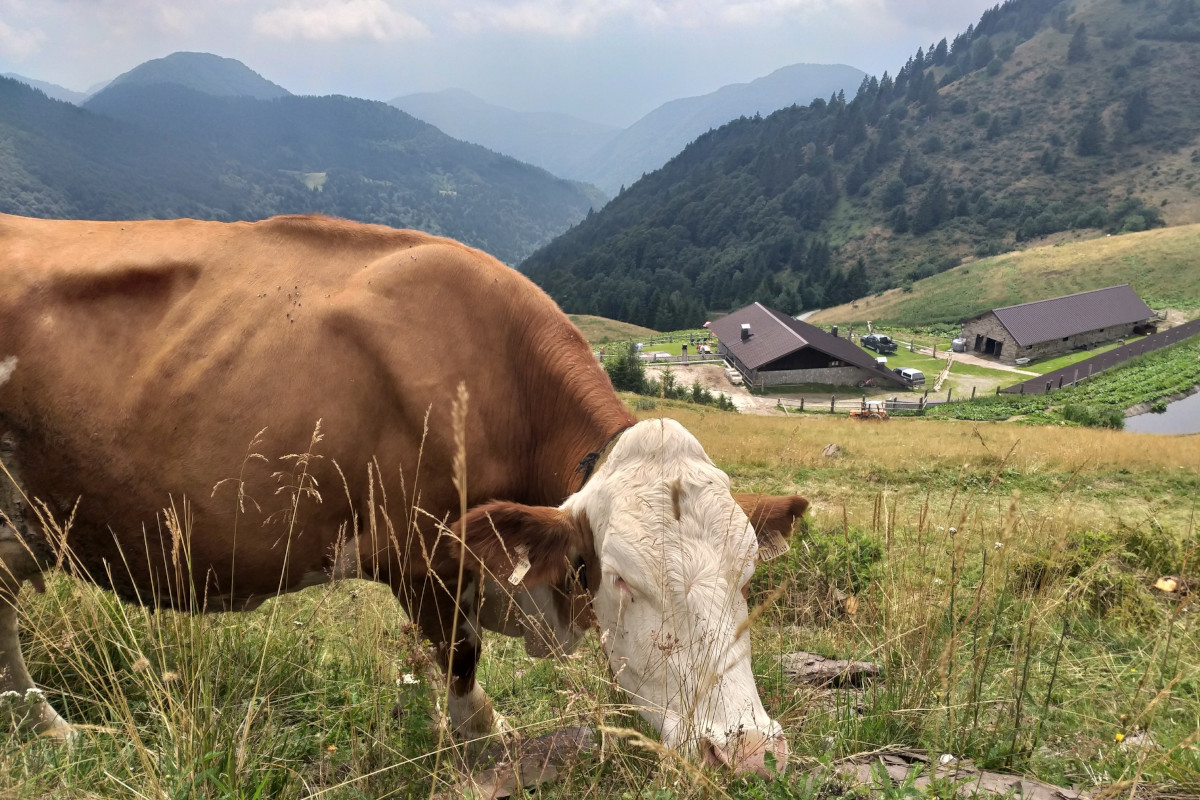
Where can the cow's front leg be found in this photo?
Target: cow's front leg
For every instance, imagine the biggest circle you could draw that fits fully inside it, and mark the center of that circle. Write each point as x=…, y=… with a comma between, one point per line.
x=22, y=705
x=433, y=608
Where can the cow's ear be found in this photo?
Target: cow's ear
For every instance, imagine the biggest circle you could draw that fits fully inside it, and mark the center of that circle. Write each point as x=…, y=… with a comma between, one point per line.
x=773, y=519
x=520, y=545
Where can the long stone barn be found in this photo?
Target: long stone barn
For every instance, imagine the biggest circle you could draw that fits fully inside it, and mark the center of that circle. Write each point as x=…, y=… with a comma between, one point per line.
x=1048, y=328
x=771, y=348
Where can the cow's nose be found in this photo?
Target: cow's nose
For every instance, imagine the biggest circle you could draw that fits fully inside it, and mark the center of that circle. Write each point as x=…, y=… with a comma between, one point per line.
x=746, y=754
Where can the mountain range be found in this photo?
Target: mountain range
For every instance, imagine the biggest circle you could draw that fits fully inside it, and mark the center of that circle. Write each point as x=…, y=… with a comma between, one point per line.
x=201, y=136
x=611, y=157
x=1047, y=120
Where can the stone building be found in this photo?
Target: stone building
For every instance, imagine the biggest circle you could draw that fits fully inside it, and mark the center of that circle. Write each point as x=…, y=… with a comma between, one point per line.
x=771, y=348
x=1048, y=328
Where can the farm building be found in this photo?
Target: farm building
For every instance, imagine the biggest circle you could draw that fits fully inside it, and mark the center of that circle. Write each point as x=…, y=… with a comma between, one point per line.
x=1048, y=328
x=770, y=348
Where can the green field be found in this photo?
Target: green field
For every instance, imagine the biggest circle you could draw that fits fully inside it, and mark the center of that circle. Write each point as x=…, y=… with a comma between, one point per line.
x=1161, y=265
x=1003, y=577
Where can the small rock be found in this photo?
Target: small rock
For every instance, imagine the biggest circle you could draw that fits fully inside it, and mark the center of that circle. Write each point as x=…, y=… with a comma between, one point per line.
x=831, y=451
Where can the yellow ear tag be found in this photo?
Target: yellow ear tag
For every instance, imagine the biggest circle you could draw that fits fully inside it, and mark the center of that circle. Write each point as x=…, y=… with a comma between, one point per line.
x=522, y=566
x=772, y=545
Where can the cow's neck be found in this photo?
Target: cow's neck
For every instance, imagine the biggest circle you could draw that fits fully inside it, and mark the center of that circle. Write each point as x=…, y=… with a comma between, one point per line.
x=575, y=412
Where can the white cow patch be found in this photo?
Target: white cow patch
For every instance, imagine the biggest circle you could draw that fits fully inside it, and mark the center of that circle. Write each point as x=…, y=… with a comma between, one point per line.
x=7, y=367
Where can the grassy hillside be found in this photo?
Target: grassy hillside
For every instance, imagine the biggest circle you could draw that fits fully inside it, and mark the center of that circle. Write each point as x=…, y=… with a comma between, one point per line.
x=1005, y=582
x=1163, y=266
x=599, y=330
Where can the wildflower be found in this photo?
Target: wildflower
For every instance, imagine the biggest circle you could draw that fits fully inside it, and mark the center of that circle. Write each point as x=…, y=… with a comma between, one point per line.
x=409, y=679
x=331, y=748
x=998, y=545
x=141, y=664
x=953, y=530
x=937, y=581
x=1119, y=737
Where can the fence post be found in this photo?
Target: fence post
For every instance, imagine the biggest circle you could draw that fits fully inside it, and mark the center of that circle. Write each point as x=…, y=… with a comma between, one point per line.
x=973, y=388
x=1075, y=380
x=948, y=393
x=1048, y=385
x=832, y=400
x=910, y=345
x=997, y=391
x=802, y=404
x=1022, y=388
x=1060, y=379
x=925, y=398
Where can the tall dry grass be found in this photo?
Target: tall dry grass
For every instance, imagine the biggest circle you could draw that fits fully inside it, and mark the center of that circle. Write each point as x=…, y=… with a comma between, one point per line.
x=1001, y=575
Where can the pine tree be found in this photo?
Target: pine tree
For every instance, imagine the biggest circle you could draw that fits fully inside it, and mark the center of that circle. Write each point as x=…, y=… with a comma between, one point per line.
x=1091, y=137
x=1137, y=108
x=1078, y=49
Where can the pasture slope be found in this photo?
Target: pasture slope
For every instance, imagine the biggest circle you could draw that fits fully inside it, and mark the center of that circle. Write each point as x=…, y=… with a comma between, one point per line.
x=1160, y=265
x=1002, y=575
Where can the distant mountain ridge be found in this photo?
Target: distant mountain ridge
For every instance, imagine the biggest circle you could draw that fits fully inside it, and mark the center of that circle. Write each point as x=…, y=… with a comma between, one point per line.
x=610, y=157
x=202, y=72
x=51, y=90
x=651, y=141
x=152, y=145
x=548, y=140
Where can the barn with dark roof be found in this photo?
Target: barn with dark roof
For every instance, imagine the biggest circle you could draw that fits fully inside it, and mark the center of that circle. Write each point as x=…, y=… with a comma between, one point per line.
x=771, y=348
x=1048, y=328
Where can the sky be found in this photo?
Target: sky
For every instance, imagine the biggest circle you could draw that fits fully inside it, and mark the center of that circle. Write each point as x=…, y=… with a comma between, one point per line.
x=608, y=61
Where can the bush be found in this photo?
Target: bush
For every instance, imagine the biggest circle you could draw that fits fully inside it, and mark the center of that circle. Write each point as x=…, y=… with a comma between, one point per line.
x=1094, y=416
x=626, y=370
x=848, y=560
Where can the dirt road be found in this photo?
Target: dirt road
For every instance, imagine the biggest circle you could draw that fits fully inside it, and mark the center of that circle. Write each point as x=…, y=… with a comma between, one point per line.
x=712, y=377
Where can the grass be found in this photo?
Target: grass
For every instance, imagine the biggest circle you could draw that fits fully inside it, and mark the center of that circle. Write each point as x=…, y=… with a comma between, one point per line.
x=1067, y=359
x=1158, y=264
x=601, y=330
x=1002, y=576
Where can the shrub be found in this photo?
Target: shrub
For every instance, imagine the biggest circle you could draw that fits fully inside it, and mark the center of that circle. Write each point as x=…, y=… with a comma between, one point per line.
x=1094, y=416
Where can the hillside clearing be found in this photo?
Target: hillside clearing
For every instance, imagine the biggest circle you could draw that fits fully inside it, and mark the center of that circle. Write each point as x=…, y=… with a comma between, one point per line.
x=1160, y=265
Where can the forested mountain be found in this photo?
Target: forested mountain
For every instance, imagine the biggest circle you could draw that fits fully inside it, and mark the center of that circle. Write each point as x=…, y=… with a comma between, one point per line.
x=1045, y=117
x=610, y=157
x=163, y=150
x=651, y=141
x=201, y=72
x=51, y=90
x=554, y=142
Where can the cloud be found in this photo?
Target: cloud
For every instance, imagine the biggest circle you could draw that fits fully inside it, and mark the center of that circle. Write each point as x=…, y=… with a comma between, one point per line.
x=19, y=44
x=339, y=20
x=576, y=18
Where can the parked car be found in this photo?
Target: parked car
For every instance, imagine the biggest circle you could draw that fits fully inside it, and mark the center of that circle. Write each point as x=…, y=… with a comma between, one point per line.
x=878, y=342
x=909, y=374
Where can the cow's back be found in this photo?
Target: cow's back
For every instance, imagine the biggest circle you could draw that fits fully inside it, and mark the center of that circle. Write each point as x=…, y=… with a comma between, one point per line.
x=188, y=363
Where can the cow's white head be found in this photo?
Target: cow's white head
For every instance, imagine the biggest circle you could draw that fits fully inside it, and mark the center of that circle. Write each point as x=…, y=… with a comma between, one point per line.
x=667, y=553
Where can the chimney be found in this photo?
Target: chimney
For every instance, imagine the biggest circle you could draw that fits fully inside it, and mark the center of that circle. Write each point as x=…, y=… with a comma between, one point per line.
x=745, y=330
x=833, y=330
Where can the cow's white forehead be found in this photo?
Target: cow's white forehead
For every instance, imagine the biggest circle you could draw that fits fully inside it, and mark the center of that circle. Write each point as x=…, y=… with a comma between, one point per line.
x=656, y=469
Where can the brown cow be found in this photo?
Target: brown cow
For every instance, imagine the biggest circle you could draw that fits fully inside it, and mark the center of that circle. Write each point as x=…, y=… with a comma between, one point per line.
x=142, y=363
